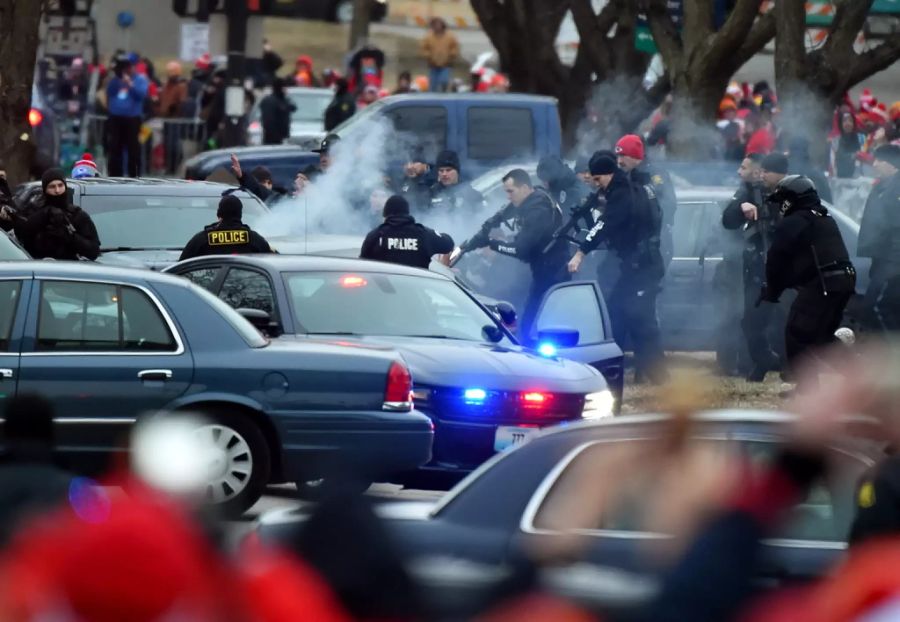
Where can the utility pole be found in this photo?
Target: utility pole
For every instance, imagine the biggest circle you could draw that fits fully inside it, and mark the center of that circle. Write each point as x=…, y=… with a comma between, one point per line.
x=359, y=27
x=237, y=14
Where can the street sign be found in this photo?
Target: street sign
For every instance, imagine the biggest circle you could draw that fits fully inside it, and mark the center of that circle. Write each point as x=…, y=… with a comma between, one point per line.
x=194, y=40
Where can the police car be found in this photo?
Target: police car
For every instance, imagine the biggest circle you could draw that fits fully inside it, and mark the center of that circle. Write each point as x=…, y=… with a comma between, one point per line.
x=483, y=391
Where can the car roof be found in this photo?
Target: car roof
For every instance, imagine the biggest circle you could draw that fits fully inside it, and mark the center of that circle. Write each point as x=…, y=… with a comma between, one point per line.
x=148, y=186
x=85, y=270
x=317, y=263
x=477, y=98
x=305, y=90
x=243, y=153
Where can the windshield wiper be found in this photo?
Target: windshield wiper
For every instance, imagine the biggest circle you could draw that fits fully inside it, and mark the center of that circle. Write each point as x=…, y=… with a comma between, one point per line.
x=335, y=332
x=437, y=337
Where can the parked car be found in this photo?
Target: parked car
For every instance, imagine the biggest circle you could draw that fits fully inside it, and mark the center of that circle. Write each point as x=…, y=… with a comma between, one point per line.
x=11, y=250
x=503, y=510
x=329, y=10
x=145, y=222
x=485, y=130
x=481, y=389
x=284, y=162
x=307, y=121
x=696, y=290
x=109, y=345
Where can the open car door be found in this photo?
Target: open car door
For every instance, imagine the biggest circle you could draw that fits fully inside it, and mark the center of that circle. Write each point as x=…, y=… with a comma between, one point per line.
x=579, y=306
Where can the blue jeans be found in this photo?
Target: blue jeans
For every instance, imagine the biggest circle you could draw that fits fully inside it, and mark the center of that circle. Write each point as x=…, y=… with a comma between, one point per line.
x=439, y=79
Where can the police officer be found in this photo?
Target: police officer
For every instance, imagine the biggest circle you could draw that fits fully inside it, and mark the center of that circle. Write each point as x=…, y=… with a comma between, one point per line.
x=400, y=239
x=562, y=183
x=808, y=254
x=879, y=238
x=630, y=153
x=630, y=227
x=449, y=194
x=877, y=503
x=749, y=212
x=537, y=218
x=418, y=177
x=228, y=236
x=325, y=153
x=50, y=227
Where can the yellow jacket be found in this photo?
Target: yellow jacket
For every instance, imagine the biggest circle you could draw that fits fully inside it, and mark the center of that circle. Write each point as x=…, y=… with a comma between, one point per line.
x=440, y=51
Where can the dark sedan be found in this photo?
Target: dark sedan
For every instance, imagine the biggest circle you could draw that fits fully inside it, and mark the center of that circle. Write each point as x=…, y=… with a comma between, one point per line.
x=483, y=391
x=145, y=222
x=329, y=10
x=283, y=161
x=108, y=345
x=509, y=503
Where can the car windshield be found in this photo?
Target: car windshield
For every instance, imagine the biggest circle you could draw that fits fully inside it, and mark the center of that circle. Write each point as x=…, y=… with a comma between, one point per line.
x=366, y=303
x=9, y=251
x=156, y=222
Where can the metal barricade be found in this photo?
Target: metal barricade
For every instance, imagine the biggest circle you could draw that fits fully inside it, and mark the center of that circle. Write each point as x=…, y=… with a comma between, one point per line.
x=166, y=143
x=850, y=195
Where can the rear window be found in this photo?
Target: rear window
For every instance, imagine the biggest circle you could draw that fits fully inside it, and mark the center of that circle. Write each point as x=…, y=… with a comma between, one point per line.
x=423, y=126
x=500, y=133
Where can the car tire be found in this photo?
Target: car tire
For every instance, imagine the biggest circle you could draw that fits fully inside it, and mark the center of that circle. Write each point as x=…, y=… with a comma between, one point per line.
x=238, y=482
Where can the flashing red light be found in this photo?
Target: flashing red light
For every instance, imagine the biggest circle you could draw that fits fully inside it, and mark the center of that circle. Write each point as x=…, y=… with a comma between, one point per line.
x=398, y=393
x=353, y=281
x=35, y=117
x=535, y=399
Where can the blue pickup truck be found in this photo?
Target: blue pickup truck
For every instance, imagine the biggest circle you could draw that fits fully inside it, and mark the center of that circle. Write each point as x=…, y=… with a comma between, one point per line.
x=486, y=130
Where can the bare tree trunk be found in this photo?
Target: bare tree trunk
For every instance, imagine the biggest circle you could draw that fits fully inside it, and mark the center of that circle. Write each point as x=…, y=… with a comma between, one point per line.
x=359, y=27
x=19, y=38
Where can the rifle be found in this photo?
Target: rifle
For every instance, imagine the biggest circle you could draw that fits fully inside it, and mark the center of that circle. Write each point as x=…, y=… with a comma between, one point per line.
x=581, y=212
x=480, y=239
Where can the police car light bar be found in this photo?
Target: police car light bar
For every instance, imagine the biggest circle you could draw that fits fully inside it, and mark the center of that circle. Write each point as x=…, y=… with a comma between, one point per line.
x=475, y=396
x=353, y=281
x=547, y=349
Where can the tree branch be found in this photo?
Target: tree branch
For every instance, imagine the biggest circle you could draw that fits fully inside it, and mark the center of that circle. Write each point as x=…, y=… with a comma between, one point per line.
x=871, y=62
x=734, y=32
x=849, y=19
x=665, y=35
x=592, y=29
x=762, y=32
x=697, y=27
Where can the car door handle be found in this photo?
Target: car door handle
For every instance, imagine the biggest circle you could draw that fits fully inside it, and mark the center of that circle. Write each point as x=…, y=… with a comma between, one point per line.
x=6, y=373
x=155, y=374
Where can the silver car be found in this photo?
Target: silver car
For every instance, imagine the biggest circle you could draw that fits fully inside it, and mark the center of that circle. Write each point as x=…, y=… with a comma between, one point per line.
x=307, y=122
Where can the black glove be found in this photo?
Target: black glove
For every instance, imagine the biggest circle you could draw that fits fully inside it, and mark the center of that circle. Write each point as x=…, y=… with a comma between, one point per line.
x=479, y=240
x=765, y=295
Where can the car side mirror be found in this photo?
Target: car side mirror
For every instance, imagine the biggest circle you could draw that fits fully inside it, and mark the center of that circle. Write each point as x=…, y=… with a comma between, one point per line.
x=493, y=333
x=559, y=337
x=262, y=321
x=507, y=313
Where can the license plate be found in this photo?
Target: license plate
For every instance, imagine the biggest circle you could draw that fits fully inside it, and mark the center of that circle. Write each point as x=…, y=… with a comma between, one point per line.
x=508, y=436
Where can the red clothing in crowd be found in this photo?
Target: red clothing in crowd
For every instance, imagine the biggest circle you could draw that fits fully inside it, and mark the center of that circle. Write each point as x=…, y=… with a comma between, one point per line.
x=762, y=141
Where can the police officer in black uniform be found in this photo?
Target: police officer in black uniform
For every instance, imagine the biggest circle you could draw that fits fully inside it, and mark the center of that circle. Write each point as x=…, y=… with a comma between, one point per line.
x=879, y=238
x=537, y=218
x=449, y=195
x=630, y=227
x=749, y=212
x=877, y=503
x=562, y=183
x=400, y=239
x=228, y=236
x=808, y=254
x=631, y=159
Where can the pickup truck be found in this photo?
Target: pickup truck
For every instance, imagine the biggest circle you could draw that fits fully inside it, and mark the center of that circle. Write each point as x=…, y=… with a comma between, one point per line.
x=485, y=130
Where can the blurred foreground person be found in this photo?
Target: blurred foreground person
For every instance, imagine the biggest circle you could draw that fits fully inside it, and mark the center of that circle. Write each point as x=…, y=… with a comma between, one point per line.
x=51, y=227
x=402, y=240
x=30, y=481
x=629, y=227
x=879, y=238
x=228, y=236
x=537, y=220
x=808, y=254
x=749, y=212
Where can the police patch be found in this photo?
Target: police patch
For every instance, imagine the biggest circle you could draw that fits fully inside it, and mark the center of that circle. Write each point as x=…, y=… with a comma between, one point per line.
x=866, y=496
x=657, y=180
x=225, y=238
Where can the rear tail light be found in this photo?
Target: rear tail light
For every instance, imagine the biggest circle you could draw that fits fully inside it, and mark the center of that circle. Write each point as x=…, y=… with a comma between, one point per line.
x=398, y=394
x=35, y=117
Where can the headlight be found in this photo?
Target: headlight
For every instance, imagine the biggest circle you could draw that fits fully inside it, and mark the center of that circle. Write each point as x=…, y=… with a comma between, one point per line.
x=598, y=405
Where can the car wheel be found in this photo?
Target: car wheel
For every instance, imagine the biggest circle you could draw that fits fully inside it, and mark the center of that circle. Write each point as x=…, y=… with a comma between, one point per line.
x=316, y=490
x=342, y=11
x=238, y=474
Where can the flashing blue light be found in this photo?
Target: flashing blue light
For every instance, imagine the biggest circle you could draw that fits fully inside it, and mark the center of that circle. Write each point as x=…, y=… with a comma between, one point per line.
x=475, y=396
x=547, y=349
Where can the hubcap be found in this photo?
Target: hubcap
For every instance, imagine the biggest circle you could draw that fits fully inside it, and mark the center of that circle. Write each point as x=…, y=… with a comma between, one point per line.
x=229, y=462
x=345, y=11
